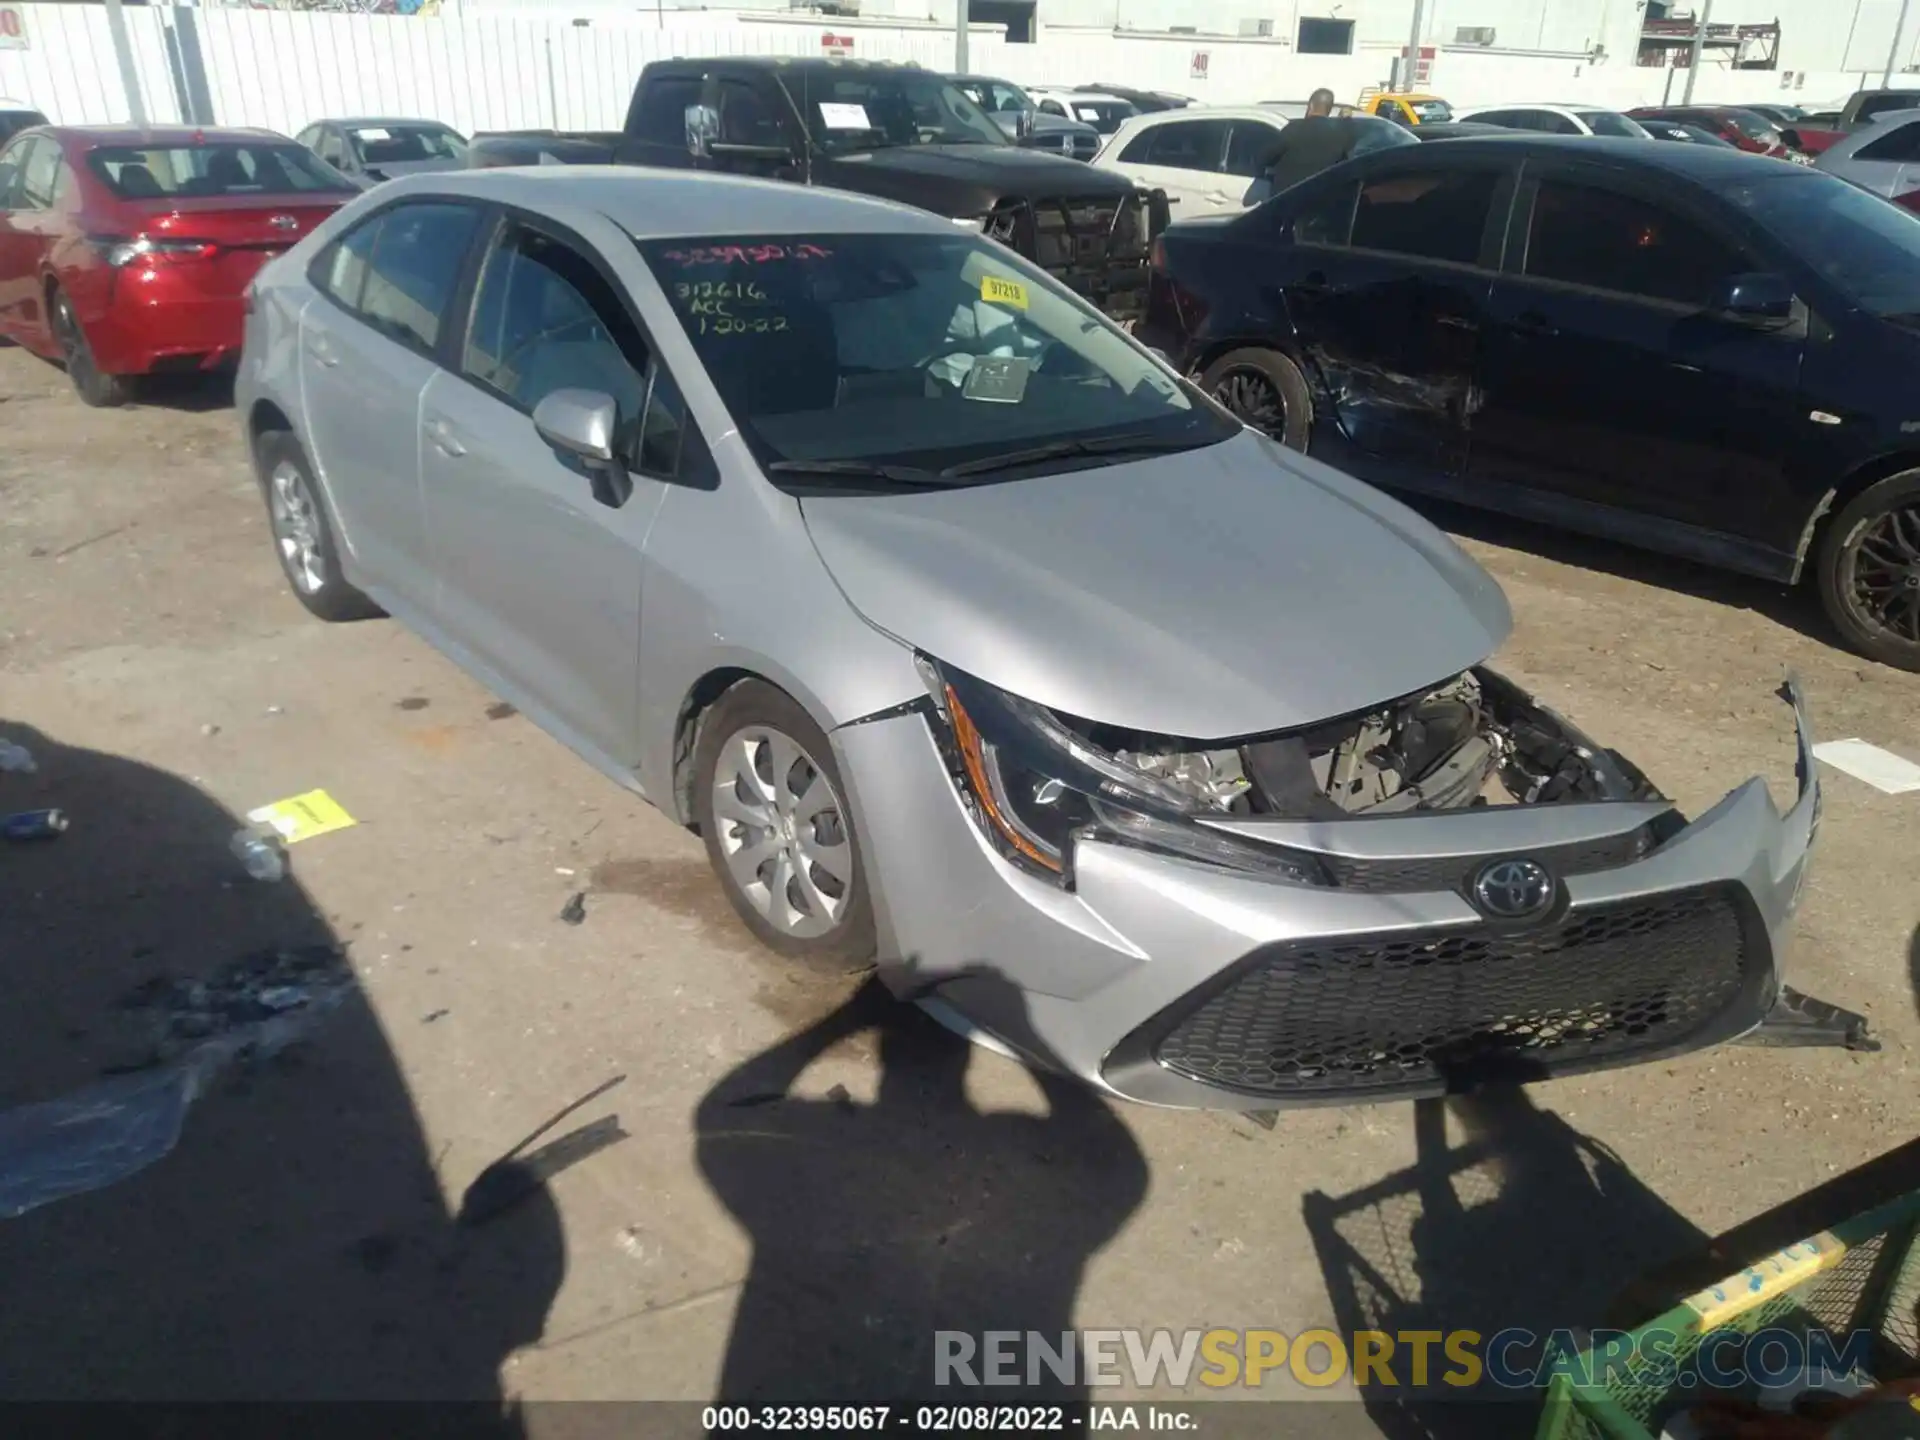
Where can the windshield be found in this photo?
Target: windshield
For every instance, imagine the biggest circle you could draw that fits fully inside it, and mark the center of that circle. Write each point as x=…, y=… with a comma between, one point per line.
x=922, y=351
x=877, y=109
x=397, y=144
x=1431, y=112
x=187, y=171
x=1605, y=122
x=1865, y=247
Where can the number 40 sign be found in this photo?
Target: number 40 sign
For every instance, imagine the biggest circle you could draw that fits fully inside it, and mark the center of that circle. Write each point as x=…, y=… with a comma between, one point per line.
x=13, y=28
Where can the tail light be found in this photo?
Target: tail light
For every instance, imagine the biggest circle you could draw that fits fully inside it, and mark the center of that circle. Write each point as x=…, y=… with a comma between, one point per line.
x=120, y=251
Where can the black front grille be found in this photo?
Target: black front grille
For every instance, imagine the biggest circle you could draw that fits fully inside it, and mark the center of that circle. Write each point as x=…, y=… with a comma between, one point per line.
x=1455, y=872
x=1455, y=1006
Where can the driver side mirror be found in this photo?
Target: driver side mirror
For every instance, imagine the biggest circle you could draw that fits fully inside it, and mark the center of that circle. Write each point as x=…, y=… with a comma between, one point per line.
x=1762, y=301
x=1023, y=123
x=703, y=128
x=581, y=425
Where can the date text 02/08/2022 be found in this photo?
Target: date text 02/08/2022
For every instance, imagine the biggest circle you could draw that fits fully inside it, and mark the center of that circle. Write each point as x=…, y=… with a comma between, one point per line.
x=942, y=1419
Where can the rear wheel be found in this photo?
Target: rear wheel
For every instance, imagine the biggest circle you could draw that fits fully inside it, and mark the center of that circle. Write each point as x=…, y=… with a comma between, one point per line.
x=772, y=810
x=302, y=538
x=1869, y=571
x=95, y=388
x=1263, y=389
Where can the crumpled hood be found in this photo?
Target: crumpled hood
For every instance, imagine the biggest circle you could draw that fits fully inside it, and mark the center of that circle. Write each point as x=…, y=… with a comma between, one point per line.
x=1215, y=594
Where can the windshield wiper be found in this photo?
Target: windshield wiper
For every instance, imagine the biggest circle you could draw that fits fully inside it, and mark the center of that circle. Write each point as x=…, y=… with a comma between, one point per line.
x=1068, y=449
x=861, y=470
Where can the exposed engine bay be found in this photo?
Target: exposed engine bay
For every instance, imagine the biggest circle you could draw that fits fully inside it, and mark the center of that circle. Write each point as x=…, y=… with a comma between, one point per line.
x=1476, y=740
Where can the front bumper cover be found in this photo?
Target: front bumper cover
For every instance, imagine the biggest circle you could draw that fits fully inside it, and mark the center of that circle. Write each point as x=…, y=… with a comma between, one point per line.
x=1094, y=980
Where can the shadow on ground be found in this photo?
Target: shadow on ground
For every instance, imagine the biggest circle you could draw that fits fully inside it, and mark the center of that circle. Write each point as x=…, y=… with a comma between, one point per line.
x=876, y=1225
x=295, y=1243
x=1794, y=608
x=1518, y=1221
x=192, y=391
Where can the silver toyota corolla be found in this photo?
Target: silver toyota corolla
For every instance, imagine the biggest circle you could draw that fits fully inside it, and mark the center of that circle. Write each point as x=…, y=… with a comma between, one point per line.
x=972, y=639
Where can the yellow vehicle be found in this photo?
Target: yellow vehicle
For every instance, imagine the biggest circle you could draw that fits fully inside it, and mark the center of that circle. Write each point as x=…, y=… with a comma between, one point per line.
x=1405, y=108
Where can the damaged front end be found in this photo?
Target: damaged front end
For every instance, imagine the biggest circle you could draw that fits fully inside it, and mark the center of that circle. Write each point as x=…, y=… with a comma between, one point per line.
x=1459, y=887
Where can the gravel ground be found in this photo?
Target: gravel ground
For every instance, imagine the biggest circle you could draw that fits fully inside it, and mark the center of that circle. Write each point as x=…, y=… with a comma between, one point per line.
x=305, y=1237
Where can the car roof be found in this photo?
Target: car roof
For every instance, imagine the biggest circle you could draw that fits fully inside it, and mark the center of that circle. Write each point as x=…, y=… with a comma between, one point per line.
x=1149, y=119
x=159, y=135
x=786, y=62
x=1712, y=166
x=1059, y=93
x=671, y=204
x=374, y=122
x=1555, y=105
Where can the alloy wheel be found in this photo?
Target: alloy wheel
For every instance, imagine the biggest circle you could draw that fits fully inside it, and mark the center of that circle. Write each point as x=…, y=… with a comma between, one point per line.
x=296, y=527
x=1886, y=572
x=1254, y=399
x=782, y=832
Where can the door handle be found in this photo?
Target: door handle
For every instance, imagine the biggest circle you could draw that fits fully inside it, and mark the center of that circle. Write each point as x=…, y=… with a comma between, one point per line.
x=318, y=347
x=444, y=440
x=1534, y=324
x=1457, y=322
x=1314, y=282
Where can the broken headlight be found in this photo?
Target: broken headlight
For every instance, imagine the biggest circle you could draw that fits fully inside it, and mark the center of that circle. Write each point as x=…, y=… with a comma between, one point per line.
x=1034, y=784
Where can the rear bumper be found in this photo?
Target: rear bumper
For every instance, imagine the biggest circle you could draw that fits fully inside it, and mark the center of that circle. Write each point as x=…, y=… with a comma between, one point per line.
x=145, y=321
x=1174, y=983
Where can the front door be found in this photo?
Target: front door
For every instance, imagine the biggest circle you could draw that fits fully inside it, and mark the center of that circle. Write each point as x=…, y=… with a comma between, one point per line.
x=539, y=560
x=1390, y=319
x=1606, y=379
x=30, y=180
x=366, y=352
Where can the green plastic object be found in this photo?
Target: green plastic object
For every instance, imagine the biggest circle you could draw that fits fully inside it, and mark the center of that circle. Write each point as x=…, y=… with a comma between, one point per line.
x=1861, y=1277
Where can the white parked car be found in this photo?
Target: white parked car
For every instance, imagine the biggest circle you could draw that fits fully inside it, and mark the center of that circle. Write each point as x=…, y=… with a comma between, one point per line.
x=1883, y=157
x=1559, y=120
x=1106, y=113
x=1202, y=158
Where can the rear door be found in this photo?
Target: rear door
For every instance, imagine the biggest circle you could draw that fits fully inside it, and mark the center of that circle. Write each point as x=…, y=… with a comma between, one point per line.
x=1607, y=381
x=1392, y=274
x=539, y=560
x=657, y=120
x=1187, y=159
x=1250, y=143
x=368, y=349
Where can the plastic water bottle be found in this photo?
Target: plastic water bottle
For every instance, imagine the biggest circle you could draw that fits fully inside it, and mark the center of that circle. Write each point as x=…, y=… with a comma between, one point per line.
x=16, y=759
x=261, y=851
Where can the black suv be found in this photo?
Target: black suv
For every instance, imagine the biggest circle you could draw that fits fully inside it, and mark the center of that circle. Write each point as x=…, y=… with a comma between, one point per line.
x=892, y=131
x=1679, y=346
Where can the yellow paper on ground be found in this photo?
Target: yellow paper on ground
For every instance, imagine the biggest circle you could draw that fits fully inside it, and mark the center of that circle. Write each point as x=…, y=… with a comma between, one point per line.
x=303, y=816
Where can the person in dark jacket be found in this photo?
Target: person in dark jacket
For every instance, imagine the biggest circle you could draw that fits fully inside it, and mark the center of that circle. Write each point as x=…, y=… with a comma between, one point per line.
x=1319, y=142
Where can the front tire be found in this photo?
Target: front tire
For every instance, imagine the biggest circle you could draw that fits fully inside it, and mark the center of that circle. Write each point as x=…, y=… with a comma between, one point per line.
x=1869, y=571
x=772, y=809
x=95, y=388
x=302, y=538
x=1264, y=389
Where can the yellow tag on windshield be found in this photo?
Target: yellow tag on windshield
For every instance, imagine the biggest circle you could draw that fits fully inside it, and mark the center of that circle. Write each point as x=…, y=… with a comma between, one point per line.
x=996, y=291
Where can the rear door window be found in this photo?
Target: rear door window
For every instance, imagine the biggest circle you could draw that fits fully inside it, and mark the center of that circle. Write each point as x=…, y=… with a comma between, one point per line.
x=1585, y=235
x=1427, y=213
x=398, y=271
x=662, y=115
x=41, y=176
x=1188, y=145
x=1900, y=143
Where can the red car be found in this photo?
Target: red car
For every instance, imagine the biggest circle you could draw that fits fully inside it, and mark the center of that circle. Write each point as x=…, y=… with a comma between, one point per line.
x=126, y=251
x=1744, y=129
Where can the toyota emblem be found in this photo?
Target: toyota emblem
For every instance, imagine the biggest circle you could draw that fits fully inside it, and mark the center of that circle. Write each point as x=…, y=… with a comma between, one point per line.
x=284, y=222
x=1513, y=889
